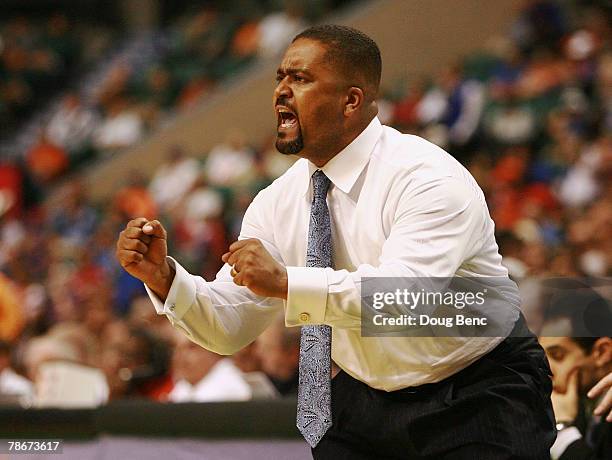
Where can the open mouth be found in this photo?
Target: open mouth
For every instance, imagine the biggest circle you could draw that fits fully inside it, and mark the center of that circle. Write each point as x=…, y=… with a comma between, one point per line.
x=286, y=118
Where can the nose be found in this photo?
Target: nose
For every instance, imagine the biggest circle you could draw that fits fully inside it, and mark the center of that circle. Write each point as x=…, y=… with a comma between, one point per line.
x=282, y=89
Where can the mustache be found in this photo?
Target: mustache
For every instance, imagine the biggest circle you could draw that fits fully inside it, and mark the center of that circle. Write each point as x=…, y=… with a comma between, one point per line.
x=283, y=101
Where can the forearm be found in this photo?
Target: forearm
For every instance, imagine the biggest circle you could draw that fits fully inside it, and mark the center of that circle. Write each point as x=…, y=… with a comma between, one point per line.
x=219, y=315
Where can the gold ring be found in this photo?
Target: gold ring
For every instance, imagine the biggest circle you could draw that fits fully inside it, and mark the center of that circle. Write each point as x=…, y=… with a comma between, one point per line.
x=233, y=272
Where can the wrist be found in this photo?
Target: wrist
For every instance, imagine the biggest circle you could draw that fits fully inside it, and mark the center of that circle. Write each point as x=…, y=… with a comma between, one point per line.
x=162, y=281
x=284, y=284
x=562, y=425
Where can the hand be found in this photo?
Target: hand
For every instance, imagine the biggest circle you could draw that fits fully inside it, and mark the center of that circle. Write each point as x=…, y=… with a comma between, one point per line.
x=142, y=250
x=565, y=404
x=256, y=269
x=606, y=402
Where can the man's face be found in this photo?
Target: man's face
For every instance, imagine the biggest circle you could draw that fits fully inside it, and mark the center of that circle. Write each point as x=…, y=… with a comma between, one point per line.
x=276, y=361
x=190, y=361
x=565, y=355
x=308, y=100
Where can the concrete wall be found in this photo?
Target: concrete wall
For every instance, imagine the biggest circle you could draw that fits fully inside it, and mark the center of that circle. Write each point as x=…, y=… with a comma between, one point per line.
x=415, y=37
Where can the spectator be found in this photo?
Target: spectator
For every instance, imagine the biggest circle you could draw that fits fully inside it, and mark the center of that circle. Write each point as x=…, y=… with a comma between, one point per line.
x=202, y=376
x=173, y=179
x=121, y=127
x=277, y=29
x=11, y=383
x=10, y=309
x=579, y=355
x=72, y=125
x=279, y=351
x=46, y=161
x=135, y=362
x=229, y=163
x=135, y=200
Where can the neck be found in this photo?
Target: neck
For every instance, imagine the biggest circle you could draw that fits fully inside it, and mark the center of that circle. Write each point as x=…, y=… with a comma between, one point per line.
x=321, y=160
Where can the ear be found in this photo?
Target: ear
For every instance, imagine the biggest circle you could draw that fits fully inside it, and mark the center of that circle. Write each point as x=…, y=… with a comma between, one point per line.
x=602, y=351
x=354, y=100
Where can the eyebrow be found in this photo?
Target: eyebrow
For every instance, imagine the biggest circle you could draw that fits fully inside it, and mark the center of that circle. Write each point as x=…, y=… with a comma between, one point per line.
x=552, y=348
x=293, y=70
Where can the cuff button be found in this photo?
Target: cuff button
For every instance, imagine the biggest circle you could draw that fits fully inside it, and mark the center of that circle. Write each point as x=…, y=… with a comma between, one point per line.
x=304, y=317
x=172, y=307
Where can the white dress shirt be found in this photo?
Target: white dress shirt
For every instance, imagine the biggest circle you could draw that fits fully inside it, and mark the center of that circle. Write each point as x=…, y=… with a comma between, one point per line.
x=224, y=382
x=400, y=207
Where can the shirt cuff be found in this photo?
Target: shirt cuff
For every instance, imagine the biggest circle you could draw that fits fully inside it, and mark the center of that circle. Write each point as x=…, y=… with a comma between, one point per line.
x=180, y=297
x=565, y=437
x=306, y=296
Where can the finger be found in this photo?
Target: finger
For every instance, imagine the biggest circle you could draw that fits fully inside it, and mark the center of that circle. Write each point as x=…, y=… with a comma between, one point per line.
x=155, y=229
x=235, y=258
x=225, y=256
x=134, y=244
x=138, y=222
x=127, y=257
x=572, y=382
x=238, y=280
x=136, y=232
x=599, y=388
x=236, y=245
x=605, y=405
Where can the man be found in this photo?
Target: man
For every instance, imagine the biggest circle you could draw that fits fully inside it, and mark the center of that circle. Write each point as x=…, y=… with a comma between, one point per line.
x=363, y=200
x=12, y=385
x=203, y=376
x=578, y=360
x=278, y=348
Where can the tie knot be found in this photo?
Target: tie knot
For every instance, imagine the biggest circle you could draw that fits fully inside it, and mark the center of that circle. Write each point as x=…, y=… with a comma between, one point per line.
x=320, y=184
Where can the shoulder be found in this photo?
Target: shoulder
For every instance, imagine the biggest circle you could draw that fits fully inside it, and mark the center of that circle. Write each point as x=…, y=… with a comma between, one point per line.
x=408, y=152
x=416, y=165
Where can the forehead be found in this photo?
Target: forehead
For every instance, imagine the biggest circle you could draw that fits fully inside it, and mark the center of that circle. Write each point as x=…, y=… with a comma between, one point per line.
x=304, y=54
x=557, y=342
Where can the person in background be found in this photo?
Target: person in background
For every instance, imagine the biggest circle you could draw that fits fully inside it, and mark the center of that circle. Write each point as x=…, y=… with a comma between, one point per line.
x=603, y=389
x=579, y=356
x=278, y=348
x=203, y=376
x=11, y=383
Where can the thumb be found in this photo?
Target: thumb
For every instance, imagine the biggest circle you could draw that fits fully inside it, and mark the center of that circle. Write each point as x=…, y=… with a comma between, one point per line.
x=154, y=228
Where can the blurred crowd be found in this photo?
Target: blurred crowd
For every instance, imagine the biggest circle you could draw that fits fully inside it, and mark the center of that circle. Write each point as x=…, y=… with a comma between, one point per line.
x=67, y=307
x=191, y=57
x=529, y=115
x=38, y=56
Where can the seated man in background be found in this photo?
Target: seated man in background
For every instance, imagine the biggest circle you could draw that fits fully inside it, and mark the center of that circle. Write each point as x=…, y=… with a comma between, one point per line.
x=201, y=375
x=279, y=351
x=578, y=360
x=12, y=385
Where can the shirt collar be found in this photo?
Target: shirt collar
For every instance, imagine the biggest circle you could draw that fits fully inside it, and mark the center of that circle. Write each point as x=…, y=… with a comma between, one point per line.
x=344, y=168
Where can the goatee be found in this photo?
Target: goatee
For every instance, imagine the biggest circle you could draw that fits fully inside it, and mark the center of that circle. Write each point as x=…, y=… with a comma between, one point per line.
x=290, y=147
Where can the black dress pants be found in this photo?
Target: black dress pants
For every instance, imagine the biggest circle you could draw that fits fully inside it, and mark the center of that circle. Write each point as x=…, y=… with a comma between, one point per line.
x=497, y=408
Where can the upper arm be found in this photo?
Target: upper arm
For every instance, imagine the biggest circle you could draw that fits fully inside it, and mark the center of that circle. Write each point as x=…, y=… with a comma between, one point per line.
x=436, y=227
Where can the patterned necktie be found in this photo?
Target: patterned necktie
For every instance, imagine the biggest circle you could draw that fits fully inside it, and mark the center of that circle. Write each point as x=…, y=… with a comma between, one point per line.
x=314, y=391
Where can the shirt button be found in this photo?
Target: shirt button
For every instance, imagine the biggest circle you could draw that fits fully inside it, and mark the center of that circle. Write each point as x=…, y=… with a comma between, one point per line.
x=304, y=317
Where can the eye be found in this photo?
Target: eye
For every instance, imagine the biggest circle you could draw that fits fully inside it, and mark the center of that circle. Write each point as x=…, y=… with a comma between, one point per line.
x=556, y=354
x=279, y=78
x=299, y=78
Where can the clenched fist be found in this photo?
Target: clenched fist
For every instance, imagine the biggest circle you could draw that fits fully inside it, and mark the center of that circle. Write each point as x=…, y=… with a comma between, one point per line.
x=256, y=269
x=142, y=250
